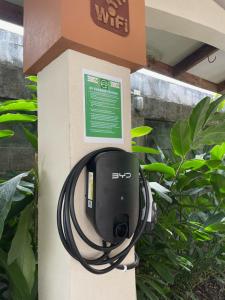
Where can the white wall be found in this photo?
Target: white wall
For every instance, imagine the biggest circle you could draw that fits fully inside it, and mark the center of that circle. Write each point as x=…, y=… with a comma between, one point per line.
x=61, y=145
x=202, y=20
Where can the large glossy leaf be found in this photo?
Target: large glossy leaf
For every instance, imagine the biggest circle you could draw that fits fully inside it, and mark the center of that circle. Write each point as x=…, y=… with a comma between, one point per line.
x=140, y=131
x=214, y=107
x=193, y=164
x=216, y=118
x=161, y=191
x=215, y=228
x=211, y=136
x=6, y=133
x=21, y=249
x=17, y=283
x=198, y=117
x=17, y=118
x=158, y=187
x=213, y=164
x=18, y=105
x=221, y=106
x=181, y=138
x=159, y=167
x=147, y=150
x=7, y=191
x=187, y=180
x=32, y=78
x=218, y=152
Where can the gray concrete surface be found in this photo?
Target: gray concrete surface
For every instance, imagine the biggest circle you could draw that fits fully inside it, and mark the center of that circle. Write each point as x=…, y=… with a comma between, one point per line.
x=163, y=104
x=16, y=154
x=12, y=82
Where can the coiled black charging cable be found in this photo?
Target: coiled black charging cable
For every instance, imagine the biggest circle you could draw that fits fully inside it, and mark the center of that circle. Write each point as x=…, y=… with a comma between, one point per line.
x=66, y=219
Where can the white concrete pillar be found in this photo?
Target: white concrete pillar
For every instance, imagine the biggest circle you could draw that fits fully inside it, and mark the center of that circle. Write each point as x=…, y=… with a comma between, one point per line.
x=61, y=145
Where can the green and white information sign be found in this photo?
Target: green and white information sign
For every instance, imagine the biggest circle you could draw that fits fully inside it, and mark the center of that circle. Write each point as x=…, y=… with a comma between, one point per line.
x=103, y=108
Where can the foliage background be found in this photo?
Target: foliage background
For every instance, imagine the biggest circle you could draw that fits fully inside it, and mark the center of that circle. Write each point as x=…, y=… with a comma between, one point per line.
x=183, y=255
x=18, y=209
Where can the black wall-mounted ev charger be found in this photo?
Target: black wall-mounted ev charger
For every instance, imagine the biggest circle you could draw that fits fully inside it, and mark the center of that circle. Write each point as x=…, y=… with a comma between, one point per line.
x=117, y=204
x=112, y=194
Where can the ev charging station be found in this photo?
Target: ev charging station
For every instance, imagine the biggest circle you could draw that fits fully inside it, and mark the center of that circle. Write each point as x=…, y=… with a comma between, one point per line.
x=83, y=52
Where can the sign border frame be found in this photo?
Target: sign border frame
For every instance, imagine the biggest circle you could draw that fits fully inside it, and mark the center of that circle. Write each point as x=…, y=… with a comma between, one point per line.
x=89, y=139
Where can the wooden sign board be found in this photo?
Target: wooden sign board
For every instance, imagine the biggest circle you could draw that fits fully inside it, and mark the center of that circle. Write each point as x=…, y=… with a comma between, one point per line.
x=112, y=15
x=112, y=30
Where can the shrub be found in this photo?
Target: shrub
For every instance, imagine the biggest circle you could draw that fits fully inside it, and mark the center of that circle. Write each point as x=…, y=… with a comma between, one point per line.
x=187, y=245
x=18, y=210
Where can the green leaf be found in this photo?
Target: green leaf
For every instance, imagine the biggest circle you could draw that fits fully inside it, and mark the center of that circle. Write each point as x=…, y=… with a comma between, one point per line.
x=190, y=295
x=201, y=236
x=214, y=106
x=158, y=187
x=7, y=191
x=17, y=118
x=18, y=286
x=18, y=105
x=157, y=288
x=178, y=260
x=165, y=197
x=149, y=295
x=213, y=164
x=24, y=190
x=216, y=118
x=198, y=117
x=215, y=218
x=218, y=152
x=140, y=131
x=161, y=191
x=32, y=138
x=32, y=87
x=211, y=136
x=181, y=138
x=159, y=167
x=217, y=227
x=187, y=180
x=141, y=149
x=193, y=164
x=164, y=271
x=32, y=78
x=221, y=106
x=6, y=133
x=218, y=182
x=180, y=234
x=21, y=248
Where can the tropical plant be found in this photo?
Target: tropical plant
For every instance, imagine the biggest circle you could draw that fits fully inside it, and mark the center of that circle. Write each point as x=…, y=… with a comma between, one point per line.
x=186, y=248
x=18, y=209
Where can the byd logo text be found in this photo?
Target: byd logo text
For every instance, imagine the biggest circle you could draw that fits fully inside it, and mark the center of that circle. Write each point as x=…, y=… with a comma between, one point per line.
x=112, y=15
x=121, y=175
